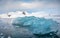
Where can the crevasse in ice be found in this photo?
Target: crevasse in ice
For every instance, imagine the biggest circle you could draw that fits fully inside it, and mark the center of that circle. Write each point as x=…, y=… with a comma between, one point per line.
x=36, y=25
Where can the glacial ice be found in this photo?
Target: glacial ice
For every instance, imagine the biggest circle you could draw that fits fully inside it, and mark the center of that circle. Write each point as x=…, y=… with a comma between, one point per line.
x=36, y=25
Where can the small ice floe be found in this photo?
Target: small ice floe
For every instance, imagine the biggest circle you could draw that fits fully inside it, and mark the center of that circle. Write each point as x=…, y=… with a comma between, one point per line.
x=9, y=36
x=1, y=35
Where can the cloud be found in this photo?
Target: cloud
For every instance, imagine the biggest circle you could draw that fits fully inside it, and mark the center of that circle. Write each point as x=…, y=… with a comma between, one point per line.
x=24, y=5
x=35, y=5
x=30, y=5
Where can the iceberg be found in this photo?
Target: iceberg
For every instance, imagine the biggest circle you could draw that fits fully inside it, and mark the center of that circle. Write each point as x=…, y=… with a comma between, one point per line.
x=37, y=25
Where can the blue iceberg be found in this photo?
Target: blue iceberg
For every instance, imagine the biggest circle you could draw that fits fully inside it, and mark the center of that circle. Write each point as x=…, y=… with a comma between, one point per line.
x=36, y=25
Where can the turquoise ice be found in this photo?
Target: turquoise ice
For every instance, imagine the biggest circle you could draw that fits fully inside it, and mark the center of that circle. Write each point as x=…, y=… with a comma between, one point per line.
x=36, y=25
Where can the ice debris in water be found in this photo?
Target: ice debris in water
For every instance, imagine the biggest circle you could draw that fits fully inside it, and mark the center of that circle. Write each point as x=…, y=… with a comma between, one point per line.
x=36, y=25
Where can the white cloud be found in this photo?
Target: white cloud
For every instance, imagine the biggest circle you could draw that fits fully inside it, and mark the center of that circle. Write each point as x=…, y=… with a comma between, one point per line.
x=36, y=5
x=25, y=5
x=30, y=5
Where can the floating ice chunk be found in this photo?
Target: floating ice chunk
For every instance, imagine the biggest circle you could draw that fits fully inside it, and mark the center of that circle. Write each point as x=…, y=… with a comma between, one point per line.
x=36, y=25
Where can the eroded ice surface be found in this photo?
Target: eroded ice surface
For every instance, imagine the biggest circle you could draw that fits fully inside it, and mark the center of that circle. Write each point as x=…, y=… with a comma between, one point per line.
x=36, y=25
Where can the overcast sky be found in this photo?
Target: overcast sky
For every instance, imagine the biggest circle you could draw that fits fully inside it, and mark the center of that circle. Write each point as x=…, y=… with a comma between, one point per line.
x=31, y=6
